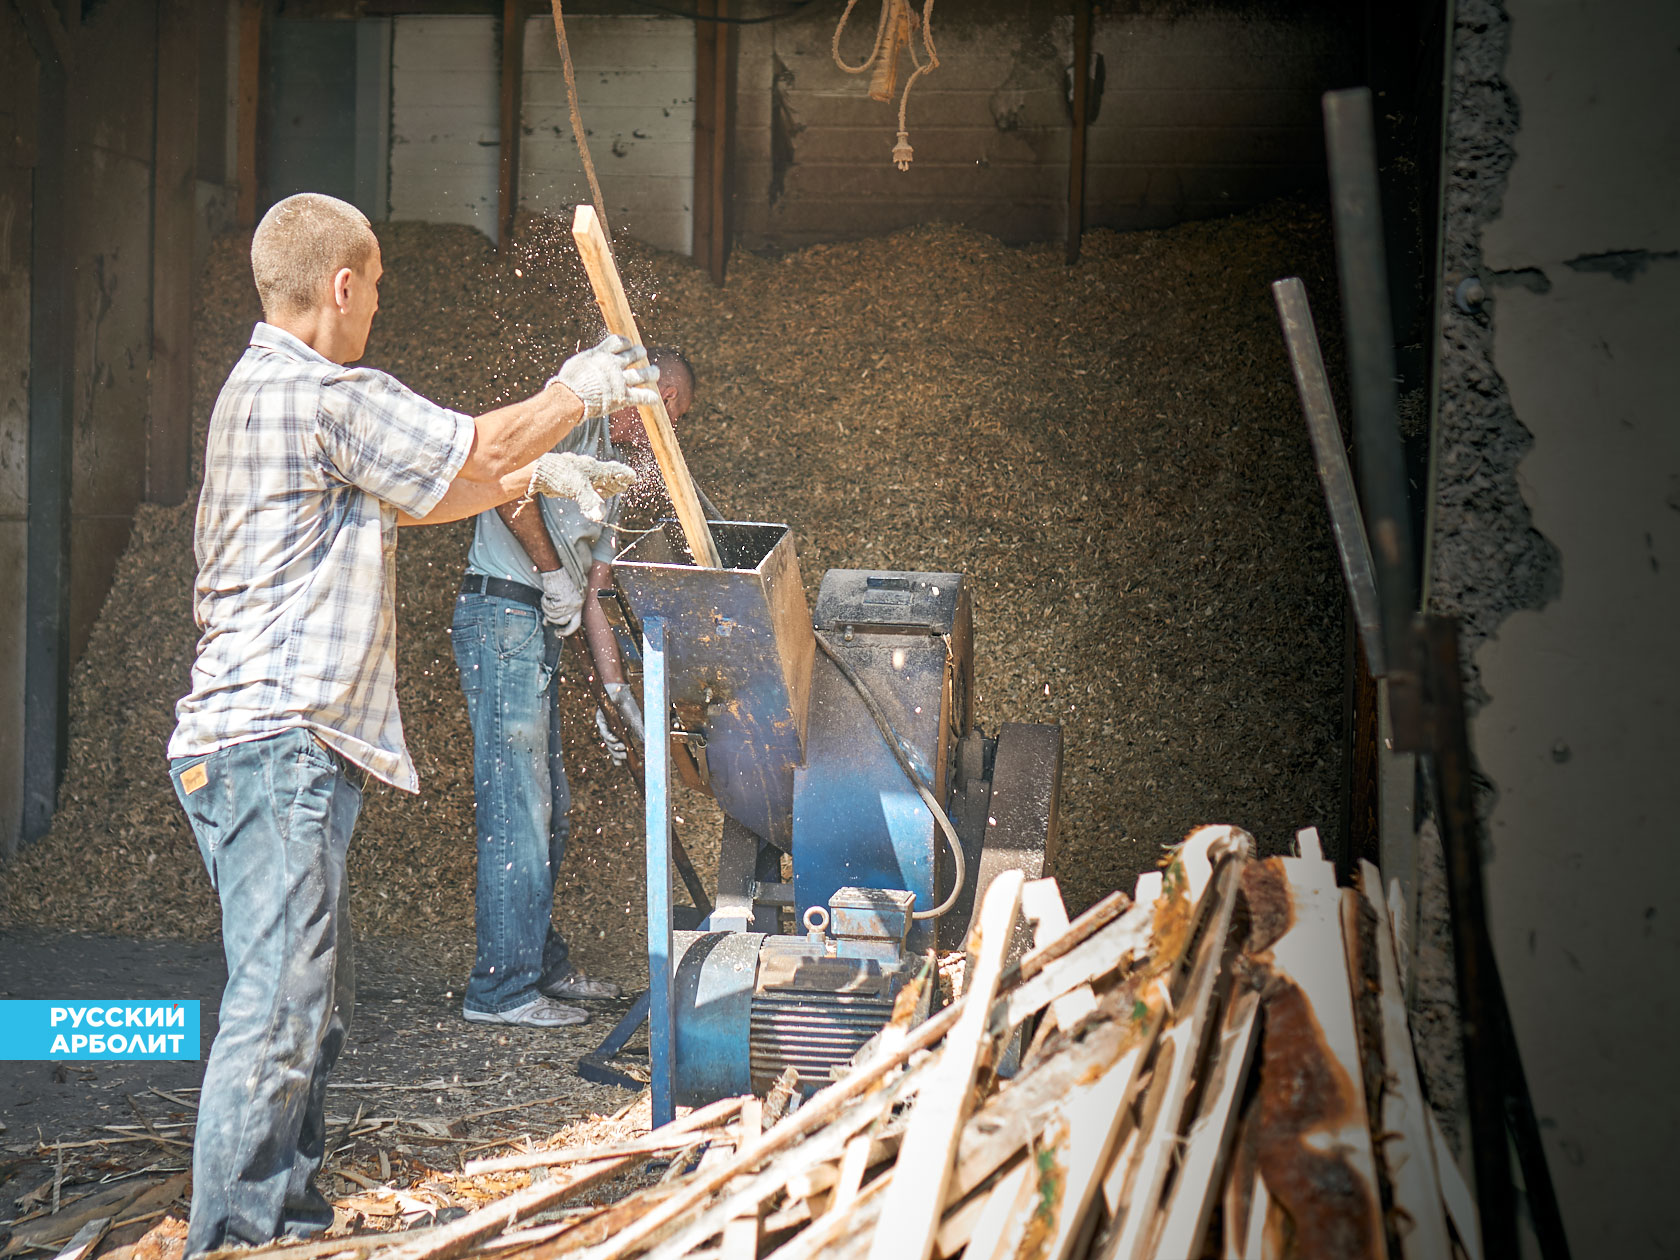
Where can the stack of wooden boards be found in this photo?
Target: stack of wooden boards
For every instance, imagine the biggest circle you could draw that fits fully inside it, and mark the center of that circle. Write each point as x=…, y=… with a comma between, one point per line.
x=1218, y=1066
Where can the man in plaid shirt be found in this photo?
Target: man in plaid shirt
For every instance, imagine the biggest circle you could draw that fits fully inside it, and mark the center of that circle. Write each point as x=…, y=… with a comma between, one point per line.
x=309, y=469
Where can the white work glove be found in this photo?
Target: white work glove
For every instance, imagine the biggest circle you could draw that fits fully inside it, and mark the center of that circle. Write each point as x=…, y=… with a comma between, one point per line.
x=562, y=602
x=616, y=748
x=606, y=377
x=582, y=478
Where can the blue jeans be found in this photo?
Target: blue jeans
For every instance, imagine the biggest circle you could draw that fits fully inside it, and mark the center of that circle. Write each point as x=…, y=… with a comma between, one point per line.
x=272, y=818
x=508, y=658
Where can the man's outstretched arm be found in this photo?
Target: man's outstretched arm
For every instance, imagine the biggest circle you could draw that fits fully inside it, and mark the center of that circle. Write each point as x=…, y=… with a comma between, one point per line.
x=507, y=441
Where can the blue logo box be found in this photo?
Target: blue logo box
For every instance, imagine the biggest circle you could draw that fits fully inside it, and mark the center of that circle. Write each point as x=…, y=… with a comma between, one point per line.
x=104, y=1029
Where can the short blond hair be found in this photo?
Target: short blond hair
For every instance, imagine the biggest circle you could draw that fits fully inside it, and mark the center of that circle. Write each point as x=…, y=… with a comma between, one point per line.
x=299, y=246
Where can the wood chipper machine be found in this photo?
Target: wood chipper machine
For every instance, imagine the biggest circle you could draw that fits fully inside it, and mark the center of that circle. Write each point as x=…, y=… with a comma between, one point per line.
x=865, y=814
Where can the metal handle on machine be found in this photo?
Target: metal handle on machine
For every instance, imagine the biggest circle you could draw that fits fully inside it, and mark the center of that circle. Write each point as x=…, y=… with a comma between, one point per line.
x=896, y=746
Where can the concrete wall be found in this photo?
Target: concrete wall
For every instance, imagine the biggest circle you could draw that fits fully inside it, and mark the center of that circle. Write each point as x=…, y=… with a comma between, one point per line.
x=1558, y=540
x=1202, y=112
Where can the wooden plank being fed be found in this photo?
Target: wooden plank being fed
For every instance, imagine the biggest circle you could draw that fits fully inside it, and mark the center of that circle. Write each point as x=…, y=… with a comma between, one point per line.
x=615, y=309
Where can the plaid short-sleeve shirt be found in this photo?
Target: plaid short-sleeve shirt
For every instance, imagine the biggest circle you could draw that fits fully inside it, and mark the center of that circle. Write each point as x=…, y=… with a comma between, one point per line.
x=307, y=465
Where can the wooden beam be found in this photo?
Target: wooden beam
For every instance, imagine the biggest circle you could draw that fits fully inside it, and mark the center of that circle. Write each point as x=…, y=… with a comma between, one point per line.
x=705, y=65
x=174, y=219
x=615, y=309
x=721, y=186
x=1076, y=143
x=247, y=99
x=713, y=139
x=512, y=107
x=46, y=31
x=46, y=688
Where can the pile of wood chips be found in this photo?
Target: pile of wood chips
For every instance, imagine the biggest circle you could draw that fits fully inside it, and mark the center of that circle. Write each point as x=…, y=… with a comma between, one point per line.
x=1112, y=452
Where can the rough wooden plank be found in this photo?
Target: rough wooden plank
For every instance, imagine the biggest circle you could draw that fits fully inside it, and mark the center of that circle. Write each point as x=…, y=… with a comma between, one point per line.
x=1418, y=1217
x=910, y=1215
x=1077, y=1153
x=1158, y=1143
x=740, y=1235
x=1314, y=1138
x=1106, y=952
x=87, y=1238
x=1041, y=903
x=1455, y=1193
x=1197, y=1181
x=615, y=309
x=1002, y=1224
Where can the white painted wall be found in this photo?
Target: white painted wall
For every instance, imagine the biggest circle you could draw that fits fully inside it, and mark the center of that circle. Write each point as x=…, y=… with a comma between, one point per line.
x=635, y=78
x=444, y=128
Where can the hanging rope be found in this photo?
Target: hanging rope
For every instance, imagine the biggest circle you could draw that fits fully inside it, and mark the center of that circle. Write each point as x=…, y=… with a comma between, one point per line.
x=890, y=32
x=577, y=120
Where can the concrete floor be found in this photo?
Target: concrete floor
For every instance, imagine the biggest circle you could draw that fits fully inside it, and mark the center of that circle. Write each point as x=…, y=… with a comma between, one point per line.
x=407, y=1032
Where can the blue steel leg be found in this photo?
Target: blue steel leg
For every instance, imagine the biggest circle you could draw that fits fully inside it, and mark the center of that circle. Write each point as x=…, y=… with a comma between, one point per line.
x=656, y=710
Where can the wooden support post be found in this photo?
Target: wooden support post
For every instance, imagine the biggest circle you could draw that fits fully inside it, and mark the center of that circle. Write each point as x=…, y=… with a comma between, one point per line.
x=174, y=218
x=46, y=687
x=615, y=309
x=713, y=183
x=512, y=107
x=247, y=99
x=1076, y=144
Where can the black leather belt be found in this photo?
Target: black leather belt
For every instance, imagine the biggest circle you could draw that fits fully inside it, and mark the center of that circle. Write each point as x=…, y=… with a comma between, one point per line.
x=501, y=588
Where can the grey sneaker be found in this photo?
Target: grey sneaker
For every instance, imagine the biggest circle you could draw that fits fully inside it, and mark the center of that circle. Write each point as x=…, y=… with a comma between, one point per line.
x=574, y=984
x=539, y=1012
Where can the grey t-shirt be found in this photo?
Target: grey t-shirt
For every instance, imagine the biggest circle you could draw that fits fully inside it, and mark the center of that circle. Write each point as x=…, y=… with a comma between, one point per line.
x=579, y=540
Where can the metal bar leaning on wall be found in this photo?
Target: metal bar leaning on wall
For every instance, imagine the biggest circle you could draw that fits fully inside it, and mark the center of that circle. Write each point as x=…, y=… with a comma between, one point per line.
x=1334, y=473
x=1351, y=143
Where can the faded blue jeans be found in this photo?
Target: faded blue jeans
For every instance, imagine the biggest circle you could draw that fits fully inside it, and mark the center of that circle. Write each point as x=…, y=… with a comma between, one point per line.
x=508, y=660
x=272, y=818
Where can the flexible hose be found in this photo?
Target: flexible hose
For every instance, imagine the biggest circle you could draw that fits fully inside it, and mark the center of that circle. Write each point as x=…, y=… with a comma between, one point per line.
x=896, y=747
